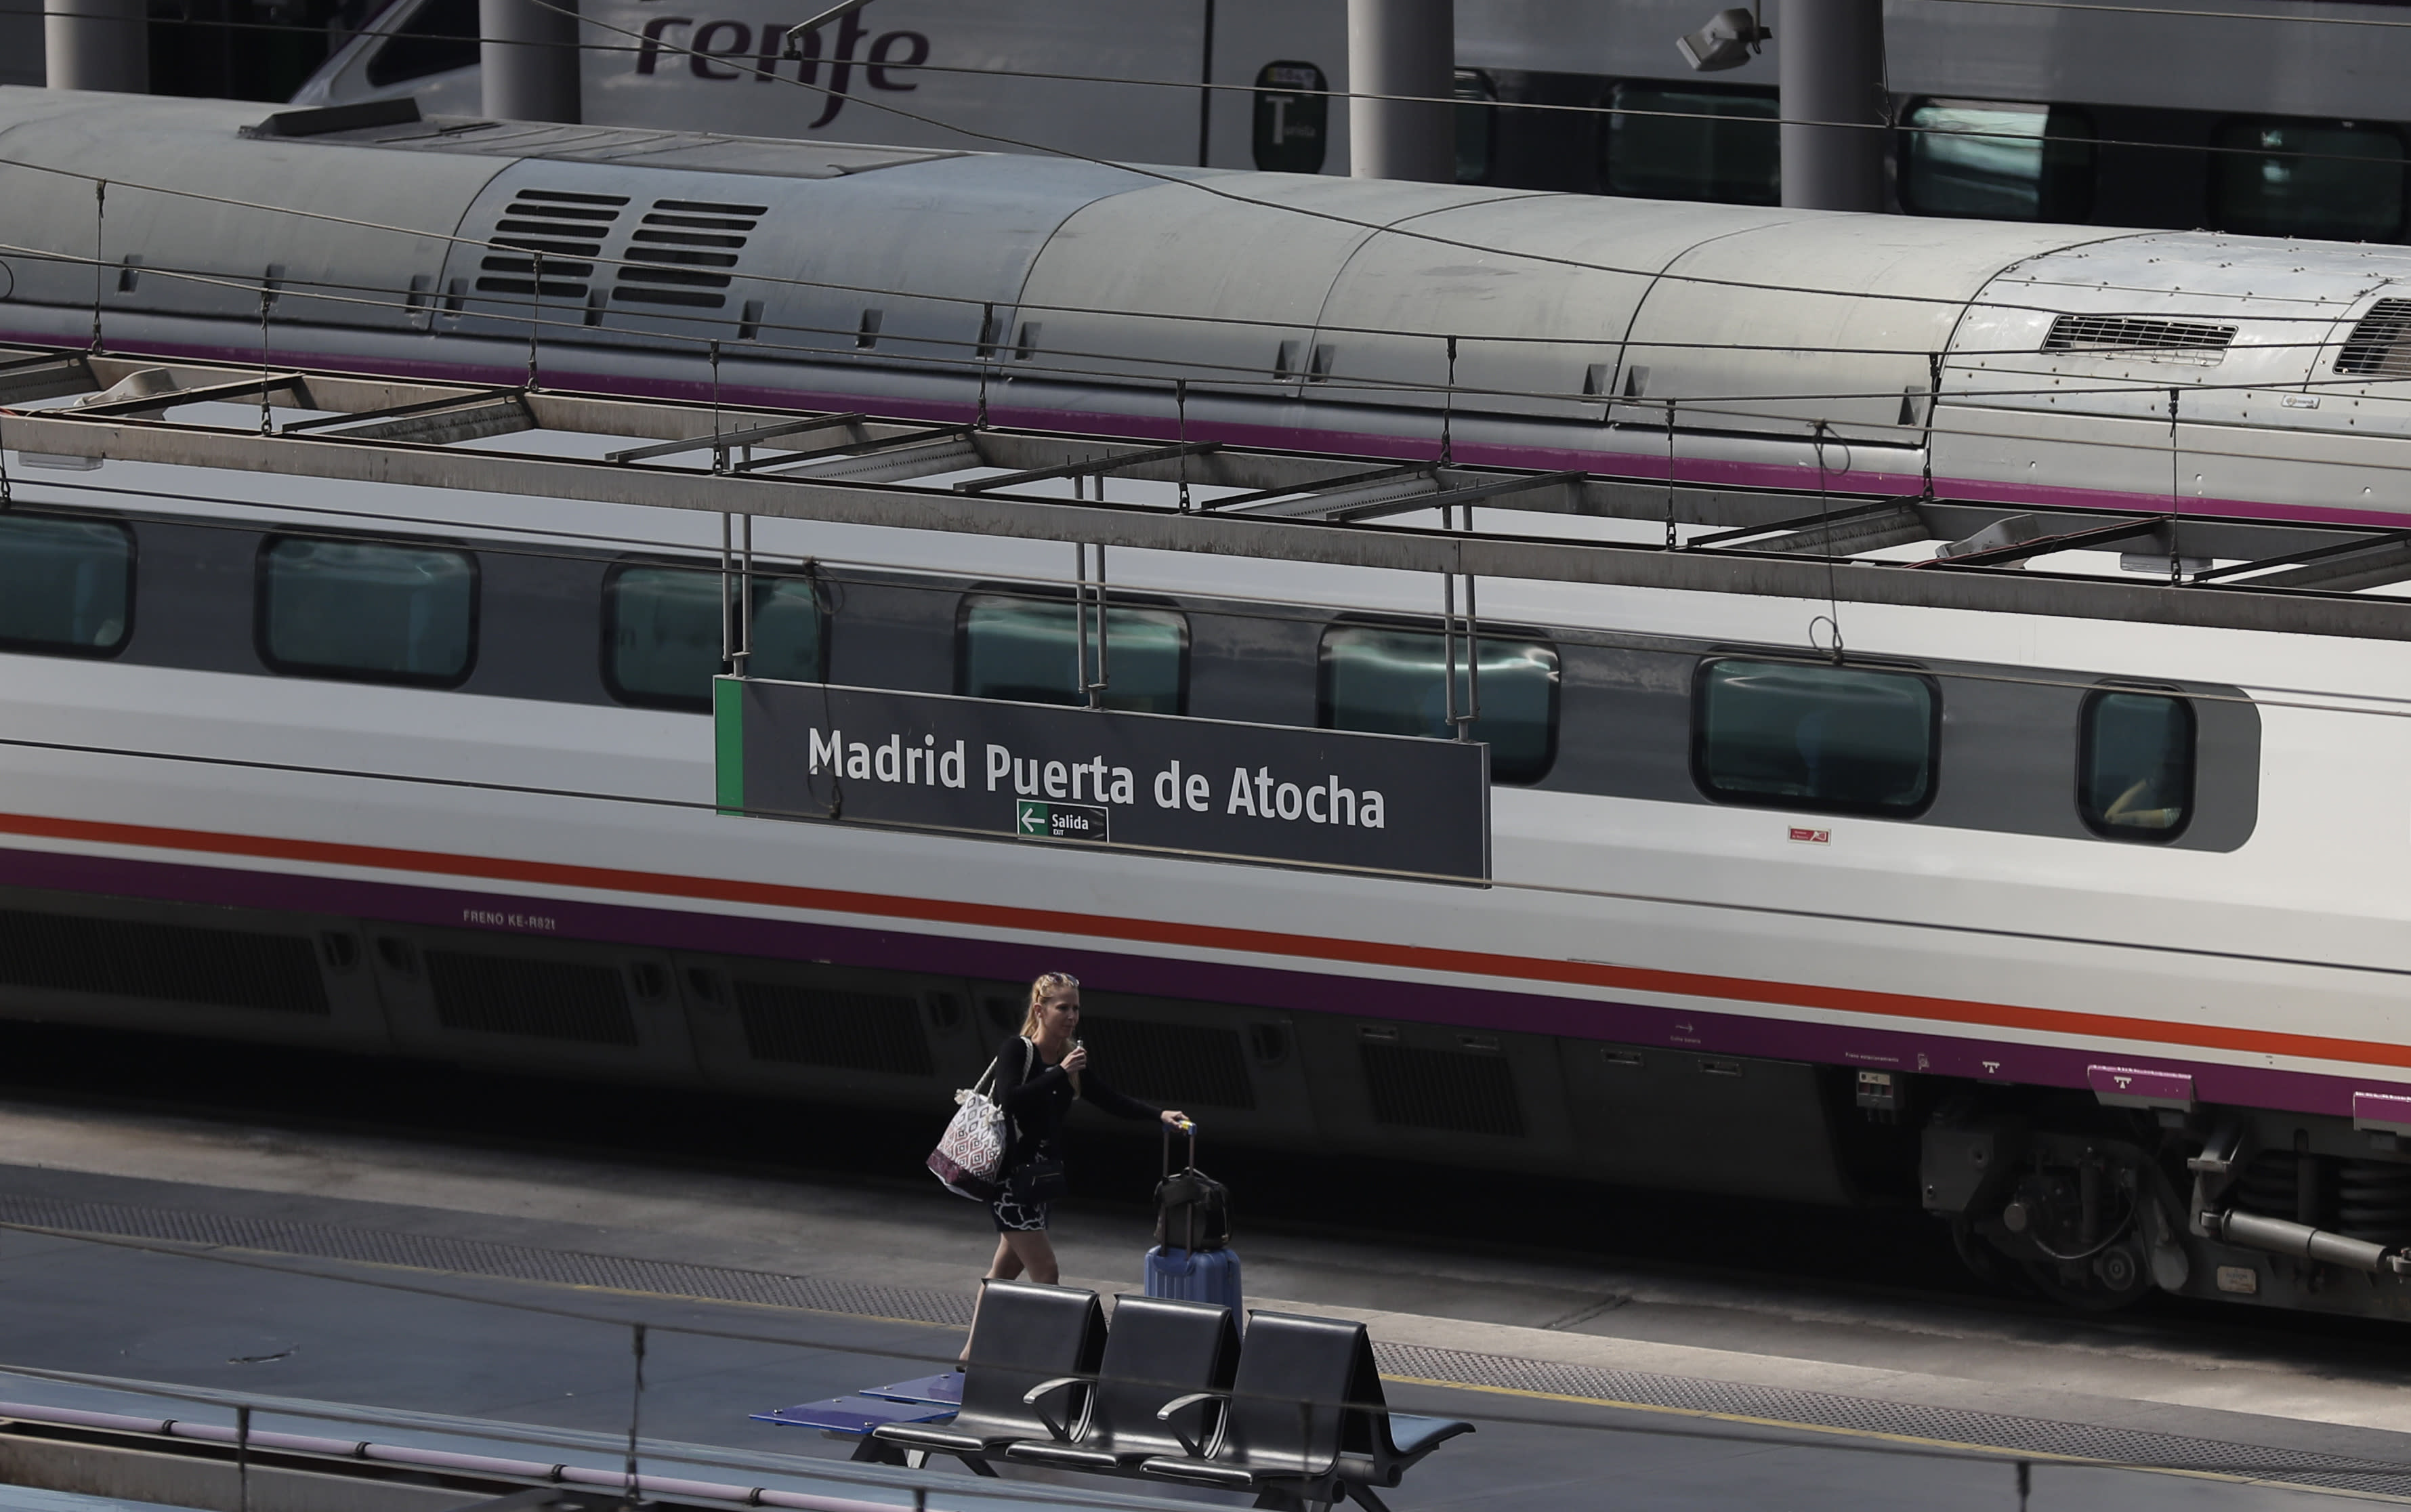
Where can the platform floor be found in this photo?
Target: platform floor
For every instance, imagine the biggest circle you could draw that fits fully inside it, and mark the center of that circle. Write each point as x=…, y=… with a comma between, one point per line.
x=501, y=1285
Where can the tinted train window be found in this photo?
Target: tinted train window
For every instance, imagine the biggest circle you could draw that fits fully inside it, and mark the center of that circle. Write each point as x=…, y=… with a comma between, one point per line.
x=1477, y=125
x=1394, y=682
x=65, y=585
x=2000, y=162
x=2135, y=775
x=2332, y=179
x=363, y=609
x=1792, y=736
x=1028, y=650
x=441, y=36
x=1695, y=142
x=661, y=634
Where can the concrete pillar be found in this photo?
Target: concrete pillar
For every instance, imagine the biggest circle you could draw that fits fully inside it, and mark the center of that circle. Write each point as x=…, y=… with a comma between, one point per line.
x=1829, y=56
x=97, y=44
x=528, y=65
x=1402, y=47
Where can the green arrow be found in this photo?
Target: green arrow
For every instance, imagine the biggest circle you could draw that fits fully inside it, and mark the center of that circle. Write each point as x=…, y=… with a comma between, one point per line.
x=1030, y=818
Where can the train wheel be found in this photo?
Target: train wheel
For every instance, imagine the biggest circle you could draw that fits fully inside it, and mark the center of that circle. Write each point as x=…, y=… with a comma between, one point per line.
x=2119, y=1276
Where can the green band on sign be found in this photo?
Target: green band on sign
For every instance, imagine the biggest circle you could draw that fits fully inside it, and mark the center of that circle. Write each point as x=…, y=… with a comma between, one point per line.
x=728, y=744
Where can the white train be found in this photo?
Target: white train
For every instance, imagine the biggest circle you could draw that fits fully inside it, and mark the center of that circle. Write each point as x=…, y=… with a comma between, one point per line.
x=2285, y=123
x=2085, y=921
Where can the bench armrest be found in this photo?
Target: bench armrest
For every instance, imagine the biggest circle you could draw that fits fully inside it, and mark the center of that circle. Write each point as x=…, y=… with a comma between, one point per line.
x=1195, y=1447
x=1029, y=1398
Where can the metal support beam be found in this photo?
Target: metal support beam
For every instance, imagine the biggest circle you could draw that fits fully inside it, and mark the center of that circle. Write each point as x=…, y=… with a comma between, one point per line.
x=153, y=405
x=750, y=436
x=1402, y=47
x=1466, y=494
x=2043, y=545
x=1262, y=499
x=97, y=44
x=22, y=383
x=1091, y=467
x=528, y=60
x=914, y=454
x=1838, y=521
x=1874, y=529
x=2345, y=571
x=1829, y=57
x=443, y=425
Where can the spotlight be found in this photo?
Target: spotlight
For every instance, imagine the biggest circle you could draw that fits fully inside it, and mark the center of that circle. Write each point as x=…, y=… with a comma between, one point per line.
x=1729, y=39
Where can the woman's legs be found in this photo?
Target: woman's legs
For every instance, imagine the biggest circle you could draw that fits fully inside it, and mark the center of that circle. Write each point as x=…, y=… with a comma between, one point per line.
x=1032, y=1252
x=1016, y=1253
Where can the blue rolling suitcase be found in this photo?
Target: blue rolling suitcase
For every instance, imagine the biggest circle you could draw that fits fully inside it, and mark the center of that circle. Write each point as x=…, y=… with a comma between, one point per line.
x=1193, y=1260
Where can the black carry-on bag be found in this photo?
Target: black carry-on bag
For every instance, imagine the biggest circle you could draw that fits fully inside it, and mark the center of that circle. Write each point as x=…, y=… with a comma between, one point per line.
x=1193, y=1260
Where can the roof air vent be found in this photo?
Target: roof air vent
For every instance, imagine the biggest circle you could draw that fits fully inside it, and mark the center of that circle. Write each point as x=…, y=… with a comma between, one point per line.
x=567, y=228
x=2132, y=336
x=681, y=253
x=2380, y=344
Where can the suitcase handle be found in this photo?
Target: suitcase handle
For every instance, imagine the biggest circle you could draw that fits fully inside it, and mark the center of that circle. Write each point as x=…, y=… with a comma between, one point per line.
x=1191, y=1129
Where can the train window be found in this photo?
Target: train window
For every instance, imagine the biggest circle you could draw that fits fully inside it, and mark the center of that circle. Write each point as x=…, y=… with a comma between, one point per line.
x=1789, y=734
x=67, y=585
x=439, y=37
x=1396, y=682
x=2332, y=180
x=1693, y=141
x=369, y=610
x=2000, y=162
x=1029, y=650
x=661, y=634
x=1477, y=125
x=2134, y=769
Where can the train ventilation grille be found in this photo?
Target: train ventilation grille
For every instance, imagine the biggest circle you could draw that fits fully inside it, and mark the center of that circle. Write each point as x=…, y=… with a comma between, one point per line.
x=683, y=252
x=162, y=963
x=567, y=228
x=1178, y=1064
x=539, y=999
x=1441, y=1089
x=2159, y=340
x=2380, y=344
x=846, y=1031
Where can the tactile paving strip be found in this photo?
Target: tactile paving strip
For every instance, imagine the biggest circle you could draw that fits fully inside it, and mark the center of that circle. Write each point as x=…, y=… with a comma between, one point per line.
x=1760, y=1405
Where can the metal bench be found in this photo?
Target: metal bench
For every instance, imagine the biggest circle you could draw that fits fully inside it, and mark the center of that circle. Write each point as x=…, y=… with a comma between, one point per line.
x=1156, y=1349
x=1304, y=1422
x=926, y=1400
x=1029, y=1344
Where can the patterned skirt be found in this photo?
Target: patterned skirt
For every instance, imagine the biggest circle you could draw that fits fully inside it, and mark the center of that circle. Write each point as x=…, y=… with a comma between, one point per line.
x=1014, y=1216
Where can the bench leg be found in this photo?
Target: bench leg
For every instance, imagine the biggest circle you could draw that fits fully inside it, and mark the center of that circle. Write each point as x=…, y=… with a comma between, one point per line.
x=869, y=1450
x=1365, y=1498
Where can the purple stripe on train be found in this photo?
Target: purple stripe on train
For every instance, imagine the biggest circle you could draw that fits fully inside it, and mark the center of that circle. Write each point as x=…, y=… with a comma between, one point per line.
x=2155, y=1079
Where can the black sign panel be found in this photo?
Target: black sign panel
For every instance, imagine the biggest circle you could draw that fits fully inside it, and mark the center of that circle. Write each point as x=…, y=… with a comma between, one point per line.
x=1055, y=775
x=1291, y=127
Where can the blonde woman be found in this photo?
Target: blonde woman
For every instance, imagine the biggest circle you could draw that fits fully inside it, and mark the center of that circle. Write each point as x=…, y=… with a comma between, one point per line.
x=1037, y=1078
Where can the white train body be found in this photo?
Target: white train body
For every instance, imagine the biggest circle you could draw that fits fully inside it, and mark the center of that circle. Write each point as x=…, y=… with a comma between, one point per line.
x=1680, y=990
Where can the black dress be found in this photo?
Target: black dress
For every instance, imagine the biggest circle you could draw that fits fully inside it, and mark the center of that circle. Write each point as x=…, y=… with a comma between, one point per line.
x=1037, y=1097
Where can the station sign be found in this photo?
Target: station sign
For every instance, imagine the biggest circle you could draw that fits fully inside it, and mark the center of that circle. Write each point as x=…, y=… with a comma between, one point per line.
x=1047, y=774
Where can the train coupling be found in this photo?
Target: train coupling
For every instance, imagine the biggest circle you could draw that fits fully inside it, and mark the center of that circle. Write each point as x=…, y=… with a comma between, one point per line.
x=2250, y=1230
